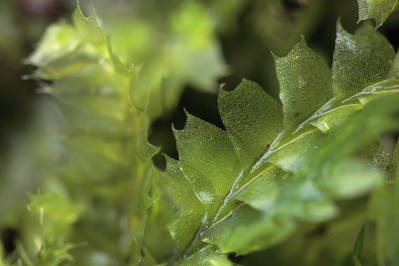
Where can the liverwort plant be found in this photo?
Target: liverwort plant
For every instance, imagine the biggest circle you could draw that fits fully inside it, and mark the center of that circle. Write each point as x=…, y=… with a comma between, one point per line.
x=281, y=184
x=279, y=163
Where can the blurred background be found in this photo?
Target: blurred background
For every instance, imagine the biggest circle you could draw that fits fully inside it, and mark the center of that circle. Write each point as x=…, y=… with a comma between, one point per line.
x=248, y=31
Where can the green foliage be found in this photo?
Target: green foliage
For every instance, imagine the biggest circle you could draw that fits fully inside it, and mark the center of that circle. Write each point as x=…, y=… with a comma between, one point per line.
x=104, y=106
x=281, y=168
x=252, y=196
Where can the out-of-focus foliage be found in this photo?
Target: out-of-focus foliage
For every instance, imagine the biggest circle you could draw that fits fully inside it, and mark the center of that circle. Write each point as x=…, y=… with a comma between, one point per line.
x=108, y=88
x=287, y=181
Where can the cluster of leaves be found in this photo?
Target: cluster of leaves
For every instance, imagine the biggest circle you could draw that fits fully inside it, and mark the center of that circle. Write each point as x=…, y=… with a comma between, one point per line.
x=278, y=163
x=278, y=170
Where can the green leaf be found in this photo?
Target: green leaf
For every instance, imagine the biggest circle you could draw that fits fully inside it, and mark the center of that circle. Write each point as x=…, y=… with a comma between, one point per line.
x=55, y=215
x=246, y=230
x=88, y=26
x=289, y=155
x=351, y=178
x=184, y=209
x=252, y=119
x=360, y=60
x=305, y=201
x=61, y=33
x=378, y=10
x=263, y=191
x=207, y=158
x=305, y=84
x=207, y=256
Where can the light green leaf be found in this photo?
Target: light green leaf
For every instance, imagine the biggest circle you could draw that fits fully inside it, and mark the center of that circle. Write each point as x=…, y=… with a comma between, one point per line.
x=351, y=178
x=184, y=209
x=54, y=215
x=360, y=60
x=305, y=84
x=58, y=40
x=305, y=201
x=247, y=230
x=263, y=190
x=89, y=26
x=252, y=119
x=207, y=158
x=378, y=10
x=208, y=256
x=289, y=155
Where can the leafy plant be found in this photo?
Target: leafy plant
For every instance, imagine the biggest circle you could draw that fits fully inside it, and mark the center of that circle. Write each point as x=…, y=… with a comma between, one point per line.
x=275, y=165
x=279, y=170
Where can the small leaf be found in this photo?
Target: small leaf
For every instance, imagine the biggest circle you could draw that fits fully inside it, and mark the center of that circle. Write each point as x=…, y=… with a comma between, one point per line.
x=379, y=10
x=246, y=230
x=262, y=191
x=208, y=256
x=360, y=60
x=184, y=209
x=252, y=119
x=351, y=178
x=305, y=201
x=66, y=39
x=289, y=155
x=207, y=158
x=305, y=84
x=89, y=26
